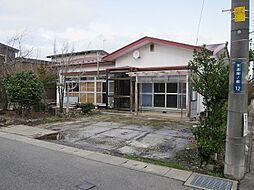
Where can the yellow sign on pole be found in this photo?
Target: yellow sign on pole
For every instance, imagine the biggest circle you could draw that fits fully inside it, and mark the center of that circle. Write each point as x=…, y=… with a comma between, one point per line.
x=240, y=14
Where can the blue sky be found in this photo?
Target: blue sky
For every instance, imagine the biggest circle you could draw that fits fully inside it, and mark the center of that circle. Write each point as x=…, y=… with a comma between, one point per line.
x=112, y=23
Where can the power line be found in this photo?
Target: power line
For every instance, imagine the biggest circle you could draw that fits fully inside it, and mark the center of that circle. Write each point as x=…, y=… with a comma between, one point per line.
x=200, y=19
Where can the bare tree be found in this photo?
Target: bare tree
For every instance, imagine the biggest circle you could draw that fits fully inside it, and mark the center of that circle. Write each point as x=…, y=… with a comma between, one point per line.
x=62, y=61
x=63, y=58
x=14, y=53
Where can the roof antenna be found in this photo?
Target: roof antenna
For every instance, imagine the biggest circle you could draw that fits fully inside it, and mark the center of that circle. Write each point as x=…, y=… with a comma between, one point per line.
x=199, y=22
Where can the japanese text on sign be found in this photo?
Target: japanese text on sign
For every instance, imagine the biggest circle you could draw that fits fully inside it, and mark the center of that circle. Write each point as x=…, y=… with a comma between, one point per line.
x=238, y=77
x=239, y=14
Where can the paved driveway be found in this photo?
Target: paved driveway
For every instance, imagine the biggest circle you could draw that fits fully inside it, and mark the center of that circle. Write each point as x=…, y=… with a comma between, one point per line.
x=160, y=142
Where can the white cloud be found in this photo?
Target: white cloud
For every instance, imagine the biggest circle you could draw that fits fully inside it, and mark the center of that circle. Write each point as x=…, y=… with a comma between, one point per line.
x=90, y=24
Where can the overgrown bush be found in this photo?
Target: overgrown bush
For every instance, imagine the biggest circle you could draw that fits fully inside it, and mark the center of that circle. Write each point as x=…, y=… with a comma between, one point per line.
x=86, y=107
x=210, y=78
x=39, y=107
x=24, y=90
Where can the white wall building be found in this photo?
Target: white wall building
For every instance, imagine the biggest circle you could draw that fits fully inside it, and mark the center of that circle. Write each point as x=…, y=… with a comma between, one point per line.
x=148, y=74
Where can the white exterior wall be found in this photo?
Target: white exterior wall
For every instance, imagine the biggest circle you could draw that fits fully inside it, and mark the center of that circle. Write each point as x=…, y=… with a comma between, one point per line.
x=84, y=68
x=162, y=56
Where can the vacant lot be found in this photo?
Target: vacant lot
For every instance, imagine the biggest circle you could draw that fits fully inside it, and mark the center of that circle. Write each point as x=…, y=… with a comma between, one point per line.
x=129, y=135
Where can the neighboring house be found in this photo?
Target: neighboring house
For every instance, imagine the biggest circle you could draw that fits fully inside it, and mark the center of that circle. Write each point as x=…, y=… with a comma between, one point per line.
x=10, y=64
x=85, y=73
x=148, y=74
x=7, y=54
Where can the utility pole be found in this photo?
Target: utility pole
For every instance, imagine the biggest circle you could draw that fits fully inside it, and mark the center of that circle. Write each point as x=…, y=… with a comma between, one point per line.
x=238, y=90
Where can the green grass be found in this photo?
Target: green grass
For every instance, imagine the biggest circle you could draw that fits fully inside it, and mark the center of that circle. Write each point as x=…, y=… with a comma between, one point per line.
x=172, y=165
x=135, y=120
x=157, y=162
x=214, y=174
x=55, y=119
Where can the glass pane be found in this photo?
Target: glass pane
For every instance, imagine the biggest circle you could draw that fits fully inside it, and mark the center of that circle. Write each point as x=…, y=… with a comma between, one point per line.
x=171, y=87
x=172, y=101
x=111, y=102
x=184, y=102
x=98, y=98
x=90, y=86
x=89, y=78
x=83, y=98
x=104, y=98
x=104, y=87
x=159, y=87
x=147, y=87
x=146, y=100
x=124, y=102
x=111, y=86
x=182, y=88
x=98, y=87
x=90, y=98
x=124, y=87
x=83, y=86
x=159, y=100
x=75, y=87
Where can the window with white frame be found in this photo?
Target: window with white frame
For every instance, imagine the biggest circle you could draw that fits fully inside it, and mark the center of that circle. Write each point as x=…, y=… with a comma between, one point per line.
x=170, y=94
x=92, y=90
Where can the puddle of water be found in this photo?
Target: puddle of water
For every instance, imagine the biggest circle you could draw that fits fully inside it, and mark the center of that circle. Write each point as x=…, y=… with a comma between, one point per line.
x=54, y=136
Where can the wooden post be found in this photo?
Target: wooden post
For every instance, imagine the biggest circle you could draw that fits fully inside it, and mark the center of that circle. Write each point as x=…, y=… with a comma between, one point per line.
x=136, y=95
x=131, y=95
x=107, y=89
x=189, y=94
x=181, y=85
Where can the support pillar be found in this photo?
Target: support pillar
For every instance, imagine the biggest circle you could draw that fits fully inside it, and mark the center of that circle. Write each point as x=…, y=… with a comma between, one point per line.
x=136, y=95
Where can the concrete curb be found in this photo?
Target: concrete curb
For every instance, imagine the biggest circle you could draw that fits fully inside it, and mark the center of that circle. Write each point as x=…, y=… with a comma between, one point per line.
x=180, y=175
x=188, y=182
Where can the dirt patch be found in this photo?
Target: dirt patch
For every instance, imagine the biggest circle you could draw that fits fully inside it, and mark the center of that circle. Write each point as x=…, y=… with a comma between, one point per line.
x=189, y=158
x=33, y=119
x=131, y=135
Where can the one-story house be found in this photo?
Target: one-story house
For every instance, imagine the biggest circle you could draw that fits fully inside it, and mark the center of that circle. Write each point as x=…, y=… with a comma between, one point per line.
x=148, y=74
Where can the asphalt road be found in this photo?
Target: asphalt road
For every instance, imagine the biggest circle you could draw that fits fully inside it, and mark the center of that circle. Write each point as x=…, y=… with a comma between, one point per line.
x=28, y=167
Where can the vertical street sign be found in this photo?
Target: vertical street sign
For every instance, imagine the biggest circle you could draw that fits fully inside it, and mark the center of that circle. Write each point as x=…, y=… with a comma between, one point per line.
x=238, y=77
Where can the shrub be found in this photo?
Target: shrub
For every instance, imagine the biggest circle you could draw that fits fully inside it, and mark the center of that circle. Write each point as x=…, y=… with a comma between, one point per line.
x=24, y=90
x=210, y=78
x=86, y=107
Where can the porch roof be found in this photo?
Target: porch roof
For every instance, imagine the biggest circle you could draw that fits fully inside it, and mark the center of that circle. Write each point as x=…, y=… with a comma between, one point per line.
x=137, y=69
